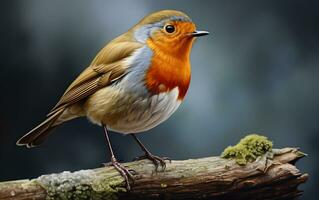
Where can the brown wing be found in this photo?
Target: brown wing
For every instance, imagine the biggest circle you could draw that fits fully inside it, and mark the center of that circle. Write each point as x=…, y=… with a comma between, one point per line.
x=107, y=67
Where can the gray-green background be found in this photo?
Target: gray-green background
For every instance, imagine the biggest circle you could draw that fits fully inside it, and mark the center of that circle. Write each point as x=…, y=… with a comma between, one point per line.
x=256, y=72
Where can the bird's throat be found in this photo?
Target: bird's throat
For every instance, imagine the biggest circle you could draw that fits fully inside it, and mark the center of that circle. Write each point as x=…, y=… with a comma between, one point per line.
x=170, y=68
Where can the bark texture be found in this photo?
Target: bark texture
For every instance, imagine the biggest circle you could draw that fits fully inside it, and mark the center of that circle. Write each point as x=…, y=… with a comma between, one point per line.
x=272, y=176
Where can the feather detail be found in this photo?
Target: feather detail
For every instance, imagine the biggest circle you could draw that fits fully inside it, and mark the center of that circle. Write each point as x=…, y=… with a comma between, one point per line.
x=107, y=67
x=170, y=64
x=37, y=135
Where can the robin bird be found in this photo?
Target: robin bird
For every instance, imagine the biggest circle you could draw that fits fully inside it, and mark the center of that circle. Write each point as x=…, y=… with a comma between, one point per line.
x=134, y=83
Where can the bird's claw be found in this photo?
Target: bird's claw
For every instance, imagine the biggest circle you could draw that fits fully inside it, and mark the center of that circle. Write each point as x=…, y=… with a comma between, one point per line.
x=127, y=174
x=155, y=159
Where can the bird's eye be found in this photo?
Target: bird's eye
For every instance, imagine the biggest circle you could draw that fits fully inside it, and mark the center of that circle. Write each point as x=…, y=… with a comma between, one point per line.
x=169, y=28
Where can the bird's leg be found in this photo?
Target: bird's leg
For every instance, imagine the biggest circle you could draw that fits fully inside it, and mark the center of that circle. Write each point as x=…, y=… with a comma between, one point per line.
x=126, y=174
x=155, y=159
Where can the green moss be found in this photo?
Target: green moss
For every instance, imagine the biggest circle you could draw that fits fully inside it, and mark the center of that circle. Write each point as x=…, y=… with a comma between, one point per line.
x=108, y=188
x=248, y=149
x=85, y=184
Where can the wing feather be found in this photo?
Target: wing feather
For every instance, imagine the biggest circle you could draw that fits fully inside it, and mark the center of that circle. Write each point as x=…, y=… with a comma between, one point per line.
x=108, y=66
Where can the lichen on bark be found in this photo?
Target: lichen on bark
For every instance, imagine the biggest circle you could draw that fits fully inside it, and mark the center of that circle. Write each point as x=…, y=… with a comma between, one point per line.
x=248, y=149
x=84, y=184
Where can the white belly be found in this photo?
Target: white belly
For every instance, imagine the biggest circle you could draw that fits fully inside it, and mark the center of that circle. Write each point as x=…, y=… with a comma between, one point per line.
x=126, y=113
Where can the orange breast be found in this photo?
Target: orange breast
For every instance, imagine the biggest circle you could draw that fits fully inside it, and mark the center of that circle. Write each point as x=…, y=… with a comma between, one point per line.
x=170, y=68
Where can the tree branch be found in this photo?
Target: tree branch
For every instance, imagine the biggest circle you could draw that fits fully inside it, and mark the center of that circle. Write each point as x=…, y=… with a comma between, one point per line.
x=211, y=178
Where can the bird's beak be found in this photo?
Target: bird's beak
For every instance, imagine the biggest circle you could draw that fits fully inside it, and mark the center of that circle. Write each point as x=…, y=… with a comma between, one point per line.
x=199, y=33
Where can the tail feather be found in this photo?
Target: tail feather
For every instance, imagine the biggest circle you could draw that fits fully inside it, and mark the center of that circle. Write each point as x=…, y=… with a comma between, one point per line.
x=37, y=135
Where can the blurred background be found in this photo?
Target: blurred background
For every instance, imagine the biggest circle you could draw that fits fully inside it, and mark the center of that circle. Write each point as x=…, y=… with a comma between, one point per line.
x=258, y=72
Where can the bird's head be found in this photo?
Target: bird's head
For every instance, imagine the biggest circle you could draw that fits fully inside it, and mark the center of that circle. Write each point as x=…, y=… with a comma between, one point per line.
x=170, y=35
x=167, y=31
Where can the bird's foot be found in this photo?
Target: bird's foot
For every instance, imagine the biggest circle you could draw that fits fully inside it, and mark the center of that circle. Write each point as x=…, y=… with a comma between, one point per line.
x=155, y=159
x=127, y=174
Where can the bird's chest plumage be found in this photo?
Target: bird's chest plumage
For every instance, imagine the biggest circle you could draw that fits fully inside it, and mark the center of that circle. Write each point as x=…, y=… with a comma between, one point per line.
x=167, y=71
x=129, y=112
x=132, y=104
